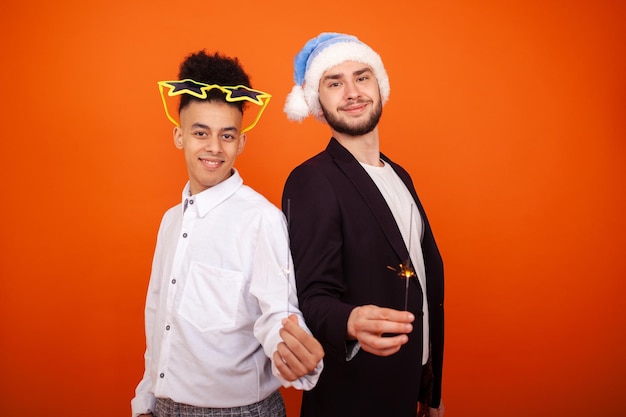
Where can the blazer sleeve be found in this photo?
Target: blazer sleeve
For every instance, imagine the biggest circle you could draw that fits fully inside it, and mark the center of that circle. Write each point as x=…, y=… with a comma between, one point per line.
x=316, y=243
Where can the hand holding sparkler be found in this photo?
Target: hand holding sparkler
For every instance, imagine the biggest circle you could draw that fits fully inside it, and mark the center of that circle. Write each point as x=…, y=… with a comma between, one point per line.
x=299, y=353
x=380, y=331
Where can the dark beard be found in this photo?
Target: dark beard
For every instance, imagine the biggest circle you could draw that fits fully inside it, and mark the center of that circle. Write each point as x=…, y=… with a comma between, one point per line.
x=358, y=130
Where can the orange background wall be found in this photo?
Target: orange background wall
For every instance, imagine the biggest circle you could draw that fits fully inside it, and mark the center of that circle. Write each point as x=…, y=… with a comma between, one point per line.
x=508, y=114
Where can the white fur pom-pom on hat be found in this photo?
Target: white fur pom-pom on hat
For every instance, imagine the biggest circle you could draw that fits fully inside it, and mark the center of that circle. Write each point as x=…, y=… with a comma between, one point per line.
x=295, y=105
x=319, y=55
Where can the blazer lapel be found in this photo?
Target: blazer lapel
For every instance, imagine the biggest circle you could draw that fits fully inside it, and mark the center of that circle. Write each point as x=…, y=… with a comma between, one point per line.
x=370, y=193
x=404, y=176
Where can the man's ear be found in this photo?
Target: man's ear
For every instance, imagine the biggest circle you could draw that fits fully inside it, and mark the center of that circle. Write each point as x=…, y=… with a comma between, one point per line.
x=320, y=116
x=242, y=143
x=178, y=137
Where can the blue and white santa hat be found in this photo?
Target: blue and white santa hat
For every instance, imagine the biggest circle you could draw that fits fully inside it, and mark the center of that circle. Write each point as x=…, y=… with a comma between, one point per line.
x=320, y=54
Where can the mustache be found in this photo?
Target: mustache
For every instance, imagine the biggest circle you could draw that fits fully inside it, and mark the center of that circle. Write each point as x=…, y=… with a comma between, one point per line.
x=356, y=102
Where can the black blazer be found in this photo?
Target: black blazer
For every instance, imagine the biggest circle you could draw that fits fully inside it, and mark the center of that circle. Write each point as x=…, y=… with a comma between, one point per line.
x=343, y=238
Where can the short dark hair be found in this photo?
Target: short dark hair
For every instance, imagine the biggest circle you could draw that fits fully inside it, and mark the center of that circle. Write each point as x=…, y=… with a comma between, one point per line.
x=213, y=68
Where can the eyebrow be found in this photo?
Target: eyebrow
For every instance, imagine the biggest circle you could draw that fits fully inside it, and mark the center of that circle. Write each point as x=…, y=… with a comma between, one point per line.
x=341, y=75
x=199, y=125
x=203, y=126
x=230, y=129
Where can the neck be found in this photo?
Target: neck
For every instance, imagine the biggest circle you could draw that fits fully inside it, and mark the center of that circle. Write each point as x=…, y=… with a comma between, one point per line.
x=365, y=148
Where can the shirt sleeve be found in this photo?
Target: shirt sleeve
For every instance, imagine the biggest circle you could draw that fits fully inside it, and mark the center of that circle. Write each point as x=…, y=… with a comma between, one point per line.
x=274, y=286
x=352, y=348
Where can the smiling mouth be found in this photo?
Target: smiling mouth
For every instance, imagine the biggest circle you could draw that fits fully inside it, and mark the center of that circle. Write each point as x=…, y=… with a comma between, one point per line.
x=359, y=105
x=211, y=163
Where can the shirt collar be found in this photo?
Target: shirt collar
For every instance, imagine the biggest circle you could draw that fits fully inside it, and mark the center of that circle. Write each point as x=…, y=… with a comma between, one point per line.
x=210, y=198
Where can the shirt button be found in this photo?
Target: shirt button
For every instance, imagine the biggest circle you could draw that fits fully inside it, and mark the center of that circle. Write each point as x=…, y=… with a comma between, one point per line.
x=184, y=234
x=162, y=375
x=190, y=201
x=173, y=280
x=167, y=327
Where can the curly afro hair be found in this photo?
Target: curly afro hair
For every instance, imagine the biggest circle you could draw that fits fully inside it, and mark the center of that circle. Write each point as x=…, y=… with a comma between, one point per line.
x=213, y=68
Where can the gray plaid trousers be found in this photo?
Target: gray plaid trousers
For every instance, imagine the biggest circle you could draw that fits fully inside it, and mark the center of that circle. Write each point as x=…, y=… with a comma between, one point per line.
x=272, y=406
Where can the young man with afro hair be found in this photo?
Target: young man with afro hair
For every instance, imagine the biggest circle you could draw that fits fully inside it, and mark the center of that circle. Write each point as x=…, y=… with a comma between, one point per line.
x=223, y=328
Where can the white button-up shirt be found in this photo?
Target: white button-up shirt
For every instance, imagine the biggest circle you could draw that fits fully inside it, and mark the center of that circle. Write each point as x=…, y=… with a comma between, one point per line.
x=220, y=286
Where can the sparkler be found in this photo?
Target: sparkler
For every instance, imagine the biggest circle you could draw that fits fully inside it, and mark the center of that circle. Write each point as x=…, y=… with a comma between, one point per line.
x=288, y=263
x=406, y=270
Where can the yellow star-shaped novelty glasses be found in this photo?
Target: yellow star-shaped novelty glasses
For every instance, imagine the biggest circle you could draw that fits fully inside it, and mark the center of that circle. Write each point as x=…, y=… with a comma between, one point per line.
x=199, y=90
